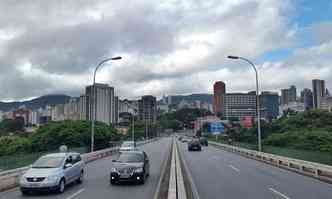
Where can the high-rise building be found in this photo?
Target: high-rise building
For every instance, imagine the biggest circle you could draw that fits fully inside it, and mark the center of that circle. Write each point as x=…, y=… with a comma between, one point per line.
x=269, y=104
x=103, y=103
x=147, y=108
x=307, y=98
x=292, y=94
x=83, y=107
x=240, y=105
x=116, y=109
x=288, y=95
x=58, y=112
x=71, y=109
x=219, y=91
x=318, y=88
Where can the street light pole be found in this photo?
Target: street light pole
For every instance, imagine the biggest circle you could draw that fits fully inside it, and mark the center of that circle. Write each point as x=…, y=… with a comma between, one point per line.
x=93, y=105
x=257, y=99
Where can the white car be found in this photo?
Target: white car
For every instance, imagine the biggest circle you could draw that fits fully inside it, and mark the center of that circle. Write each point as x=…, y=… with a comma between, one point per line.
x=53, y=172
x=127, y=146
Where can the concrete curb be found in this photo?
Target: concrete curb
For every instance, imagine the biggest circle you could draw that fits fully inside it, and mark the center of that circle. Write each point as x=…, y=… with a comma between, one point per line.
x=189, y=182
x=158, y=193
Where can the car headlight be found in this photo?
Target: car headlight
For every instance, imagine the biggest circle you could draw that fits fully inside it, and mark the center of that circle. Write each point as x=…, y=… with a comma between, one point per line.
x=114, y=170
x=22, y=179
x=52, y=178
x=139, y=170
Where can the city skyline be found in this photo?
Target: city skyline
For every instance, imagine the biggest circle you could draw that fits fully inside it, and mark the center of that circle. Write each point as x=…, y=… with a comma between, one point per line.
x=179, y=48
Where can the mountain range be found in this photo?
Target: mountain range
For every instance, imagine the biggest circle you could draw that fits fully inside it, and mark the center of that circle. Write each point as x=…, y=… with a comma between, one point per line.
x=35, y=103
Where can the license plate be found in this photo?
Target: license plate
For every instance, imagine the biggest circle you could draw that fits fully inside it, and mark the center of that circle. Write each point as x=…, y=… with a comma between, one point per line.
x=124, y=176
x=34, y=185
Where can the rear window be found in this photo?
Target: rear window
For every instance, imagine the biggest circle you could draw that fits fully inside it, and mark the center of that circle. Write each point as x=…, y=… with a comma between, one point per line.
x=130, y=157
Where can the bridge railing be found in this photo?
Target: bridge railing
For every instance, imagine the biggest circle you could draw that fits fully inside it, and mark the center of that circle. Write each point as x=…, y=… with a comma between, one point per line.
x=320, y=171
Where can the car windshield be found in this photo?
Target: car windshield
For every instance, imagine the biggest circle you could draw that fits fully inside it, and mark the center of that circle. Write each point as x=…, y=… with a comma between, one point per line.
x=130, y=157
x=48, y=162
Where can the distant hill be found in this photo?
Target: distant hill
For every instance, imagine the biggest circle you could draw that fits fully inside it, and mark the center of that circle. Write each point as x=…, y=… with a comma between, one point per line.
x=193, y=97
x=35, y=103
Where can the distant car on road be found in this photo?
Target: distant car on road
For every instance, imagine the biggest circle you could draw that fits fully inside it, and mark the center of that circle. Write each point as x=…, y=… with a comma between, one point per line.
x=194, y=144
x=133, y=166
x=128, y=146
x=53, y=172
x=203, y=141
x=180, y=138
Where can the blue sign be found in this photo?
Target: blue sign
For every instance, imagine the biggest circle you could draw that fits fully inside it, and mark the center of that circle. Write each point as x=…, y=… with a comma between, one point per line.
x=216, y=128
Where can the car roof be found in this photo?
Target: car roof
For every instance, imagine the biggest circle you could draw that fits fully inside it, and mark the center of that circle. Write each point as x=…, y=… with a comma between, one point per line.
x=61, y=154
x=133, y=152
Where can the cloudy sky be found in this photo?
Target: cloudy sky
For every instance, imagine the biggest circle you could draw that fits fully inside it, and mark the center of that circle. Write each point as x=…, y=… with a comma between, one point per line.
x=168, y=47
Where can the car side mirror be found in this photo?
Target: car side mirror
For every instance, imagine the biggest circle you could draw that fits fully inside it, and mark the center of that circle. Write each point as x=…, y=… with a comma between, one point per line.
x=113, y=160
x=68, y=165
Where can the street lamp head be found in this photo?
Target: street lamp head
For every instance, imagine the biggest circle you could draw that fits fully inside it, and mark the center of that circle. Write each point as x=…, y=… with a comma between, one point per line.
x=116, y=58
x=232, y=57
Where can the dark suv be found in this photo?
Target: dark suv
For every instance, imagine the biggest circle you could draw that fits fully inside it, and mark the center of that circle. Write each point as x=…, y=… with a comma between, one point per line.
x=194, y=144
x=131, y=166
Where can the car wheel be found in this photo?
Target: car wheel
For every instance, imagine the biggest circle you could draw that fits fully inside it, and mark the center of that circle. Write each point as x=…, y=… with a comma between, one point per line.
x=61, y=186
x=112, y=182
x=81, y=178
x=142, y=180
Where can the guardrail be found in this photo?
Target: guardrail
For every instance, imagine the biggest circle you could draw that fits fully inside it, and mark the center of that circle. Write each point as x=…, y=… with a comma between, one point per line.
x=9, y=179
x=316, y=170
x=176, y=188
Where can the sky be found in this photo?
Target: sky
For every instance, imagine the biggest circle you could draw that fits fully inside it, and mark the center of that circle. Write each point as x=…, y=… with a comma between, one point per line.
x=167, y=47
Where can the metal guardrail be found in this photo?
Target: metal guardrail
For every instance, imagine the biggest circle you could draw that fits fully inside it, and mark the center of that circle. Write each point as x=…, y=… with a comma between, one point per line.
x=316, y=170
x=176, y=188
x=10, y=178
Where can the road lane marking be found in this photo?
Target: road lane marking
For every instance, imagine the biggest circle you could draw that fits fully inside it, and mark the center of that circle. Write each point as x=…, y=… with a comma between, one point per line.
x=278, y=193
x=234, y=168
x=75, y=194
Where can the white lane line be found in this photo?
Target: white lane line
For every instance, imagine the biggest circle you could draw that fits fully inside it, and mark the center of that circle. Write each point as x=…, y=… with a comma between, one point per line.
x=234, y=168
x=75, y=194
x=278, y=193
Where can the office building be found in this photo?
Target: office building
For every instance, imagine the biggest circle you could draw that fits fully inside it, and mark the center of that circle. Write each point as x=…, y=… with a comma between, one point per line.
x=269, y=105
x=147, y=108
x=58, y=112
x=219, y=90
x=83, y=106
x=291, y=106
x=326, y=103
x=307, y=98
x=288, y=95
x=22, y=114
x=240, y=105
x=71, y=109
x=116, y=109
x=103, y=104
x=318, y=88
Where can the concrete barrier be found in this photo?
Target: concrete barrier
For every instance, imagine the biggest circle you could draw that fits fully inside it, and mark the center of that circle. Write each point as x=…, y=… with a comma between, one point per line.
x=176, y=188
x=9, y=179
x=316, y=170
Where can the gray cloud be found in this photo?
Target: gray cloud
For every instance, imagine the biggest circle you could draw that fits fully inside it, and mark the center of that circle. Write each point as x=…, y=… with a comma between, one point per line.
x=167, y=47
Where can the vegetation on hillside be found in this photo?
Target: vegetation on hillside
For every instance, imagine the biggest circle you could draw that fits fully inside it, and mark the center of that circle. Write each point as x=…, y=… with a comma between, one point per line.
x=55, y=134
x=310, y=130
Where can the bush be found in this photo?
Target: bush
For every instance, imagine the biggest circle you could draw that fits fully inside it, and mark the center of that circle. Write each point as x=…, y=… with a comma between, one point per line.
x=72, y=133
x=13, y=144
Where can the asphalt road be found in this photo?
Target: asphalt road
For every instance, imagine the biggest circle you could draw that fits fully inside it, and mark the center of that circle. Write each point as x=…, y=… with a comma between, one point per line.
x=96, y=184
x=218, y=174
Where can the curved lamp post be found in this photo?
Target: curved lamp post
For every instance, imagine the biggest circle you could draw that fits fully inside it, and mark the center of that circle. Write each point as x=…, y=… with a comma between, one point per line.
x=257, y=99
x=94, y=102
